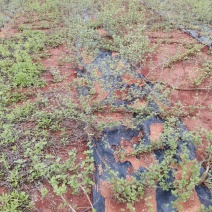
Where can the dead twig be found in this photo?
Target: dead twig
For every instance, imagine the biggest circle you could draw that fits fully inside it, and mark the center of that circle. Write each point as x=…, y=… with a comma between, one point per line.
x=87, y=196
x=64, y=200
x=204, y=176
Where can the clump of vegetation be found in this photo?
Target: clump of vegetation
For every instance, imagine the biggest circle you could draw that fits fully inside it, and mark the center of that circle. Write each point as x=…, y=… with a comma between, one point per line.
x=126, y=191
x=122, y=21
x=15, y=201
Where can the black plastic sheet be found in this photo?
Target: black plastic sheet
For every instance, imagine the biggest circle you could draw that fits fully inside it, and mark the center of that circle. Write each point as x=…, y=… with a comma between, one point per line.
x=104, y=148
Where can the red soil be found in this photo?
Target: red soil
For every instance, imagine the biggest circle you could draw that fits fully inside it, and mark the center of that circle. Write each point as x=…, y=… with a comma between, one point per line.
x=67, y=70
x=51, y=201
x=193, y=202
x=155, y=131
x=111, y=204
x=180, y=75
x=8, y=31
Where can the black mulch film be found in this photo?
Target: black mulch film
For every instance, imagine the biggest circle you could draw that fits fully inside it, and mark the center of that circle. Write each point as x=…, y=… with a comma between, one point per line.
x=206, y=40
x=104, y=148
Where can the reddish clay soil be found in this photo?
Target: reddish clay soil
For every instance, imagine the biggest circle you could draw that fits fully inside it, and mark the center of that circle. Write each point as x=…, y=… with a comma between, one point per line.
x=51, y=201
x=143, y=160
x=129, y=79
x=3, y=190
x=52, y=90
x=8, y=32
x=111, y=204
x=155, y=131
x=193, y=203
x=180, y=75
x=65, y=88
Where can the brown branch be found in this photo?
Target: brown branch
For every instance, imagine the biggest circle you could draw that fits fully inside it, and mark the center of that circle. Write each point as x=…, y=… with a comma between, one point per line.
x=87, y=196
x=204, y=176
x=72, y=209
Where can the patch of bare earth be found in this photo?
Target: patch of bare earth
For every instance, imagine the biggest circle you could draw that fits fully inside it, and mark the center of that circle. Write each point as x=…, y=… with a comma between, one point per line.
x=155, y=131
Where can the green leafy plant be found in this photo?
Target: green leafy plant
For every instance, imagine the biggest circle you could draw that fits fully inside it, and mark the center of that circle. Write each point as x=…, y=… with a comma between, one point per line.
x=15, y=201
x=126, y=191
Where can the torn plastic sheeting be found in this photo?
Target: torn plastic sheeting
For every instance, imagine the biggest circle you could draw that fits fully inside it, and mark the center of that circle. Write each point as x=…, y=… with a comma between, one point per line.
x=206, y=40
x=104, y=154
x=182, y=141
x=104, y=157
x=102, y=64
x=204, y=195
x=164, y=200
x=105, y=147
x=98, y=199
x=202, y=191
x=110, y=79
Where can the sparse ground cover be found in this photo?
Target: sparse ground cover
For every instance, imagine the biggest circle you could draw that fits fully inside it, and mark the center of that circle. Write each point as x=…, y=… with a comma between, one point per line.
x=55, y=102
